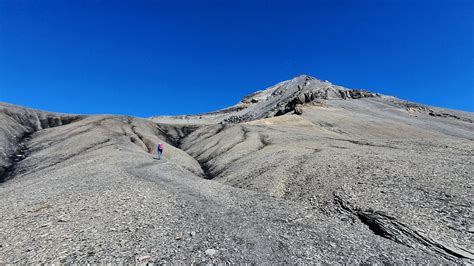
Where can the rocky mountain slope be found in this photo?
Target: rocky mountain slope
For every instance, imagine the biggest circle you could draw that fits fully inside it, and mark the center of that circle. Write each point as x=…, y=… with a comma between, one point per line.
x=302, y=172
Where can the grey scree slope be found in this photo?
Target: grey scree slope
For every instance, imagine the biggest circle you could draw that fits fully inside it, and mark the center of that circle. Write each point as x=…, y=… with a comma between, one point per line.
x=302, y=172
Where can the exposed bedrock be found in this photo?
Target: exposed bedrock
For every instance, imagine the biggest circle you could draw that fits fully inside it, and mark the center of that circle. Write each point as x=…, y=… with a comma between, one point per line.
x=391, y=228
x=286, y=96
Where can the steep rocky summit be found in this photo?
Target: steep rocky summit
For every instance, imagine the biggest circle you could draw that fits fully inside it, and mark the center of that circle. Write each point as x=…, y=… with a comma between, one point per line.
x=277, y=100
x=286, y=96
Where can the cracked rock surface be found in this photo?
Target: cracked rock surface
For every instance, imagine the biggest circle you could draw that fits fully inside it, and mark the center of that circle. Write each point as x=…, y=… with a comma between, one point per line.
x=303, y=172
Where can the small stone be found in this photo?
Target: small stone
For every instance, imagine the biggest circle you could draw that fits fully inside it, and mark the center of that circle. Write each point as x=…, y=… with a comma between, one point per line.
x=62, y=220
x=192, y=233
x=179, y=237
x=211, y=252
x=145, y=257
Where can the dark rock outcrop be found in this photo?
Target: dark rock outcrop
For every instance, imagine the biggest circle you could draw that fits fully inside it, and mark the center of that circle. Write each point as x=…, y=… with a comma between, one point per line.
x=284, y=97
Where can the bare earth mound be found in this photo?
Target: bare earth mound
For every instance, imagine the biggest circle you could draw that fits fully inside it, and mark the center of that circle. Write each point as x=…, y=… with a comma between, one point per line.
x=302, y=172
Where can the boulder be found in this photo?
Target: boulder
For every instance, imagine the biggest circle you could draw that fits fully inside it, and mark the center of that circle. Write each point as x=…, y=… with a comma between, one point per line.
x=299, y=109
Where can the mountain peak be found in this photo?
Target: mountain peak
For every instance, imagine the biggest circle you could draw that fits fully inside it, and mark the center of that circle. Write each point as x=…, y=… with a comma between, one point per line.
x=351, y=165
x=304, y=76
x=283, y=97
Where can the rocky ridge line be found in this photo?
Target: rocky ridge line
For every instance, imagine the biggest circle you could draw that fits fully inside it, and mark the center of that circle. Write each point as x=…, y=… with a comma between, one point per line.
x=288, y=96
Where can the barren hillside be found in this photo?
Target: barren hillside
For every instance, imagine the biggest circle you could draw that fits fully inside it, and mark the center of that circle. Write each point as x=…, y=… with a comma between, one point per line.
x=303, y=172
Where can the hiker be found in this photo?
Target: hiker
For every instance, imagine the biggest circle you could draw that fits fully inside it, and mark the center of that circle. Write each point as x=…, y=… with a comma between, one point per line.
x=160, y=150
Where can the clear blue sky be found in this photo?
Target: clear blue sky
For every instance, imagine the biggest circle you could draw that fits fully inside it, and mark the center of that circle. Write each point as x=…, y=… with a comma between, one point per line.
x=149, y=58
